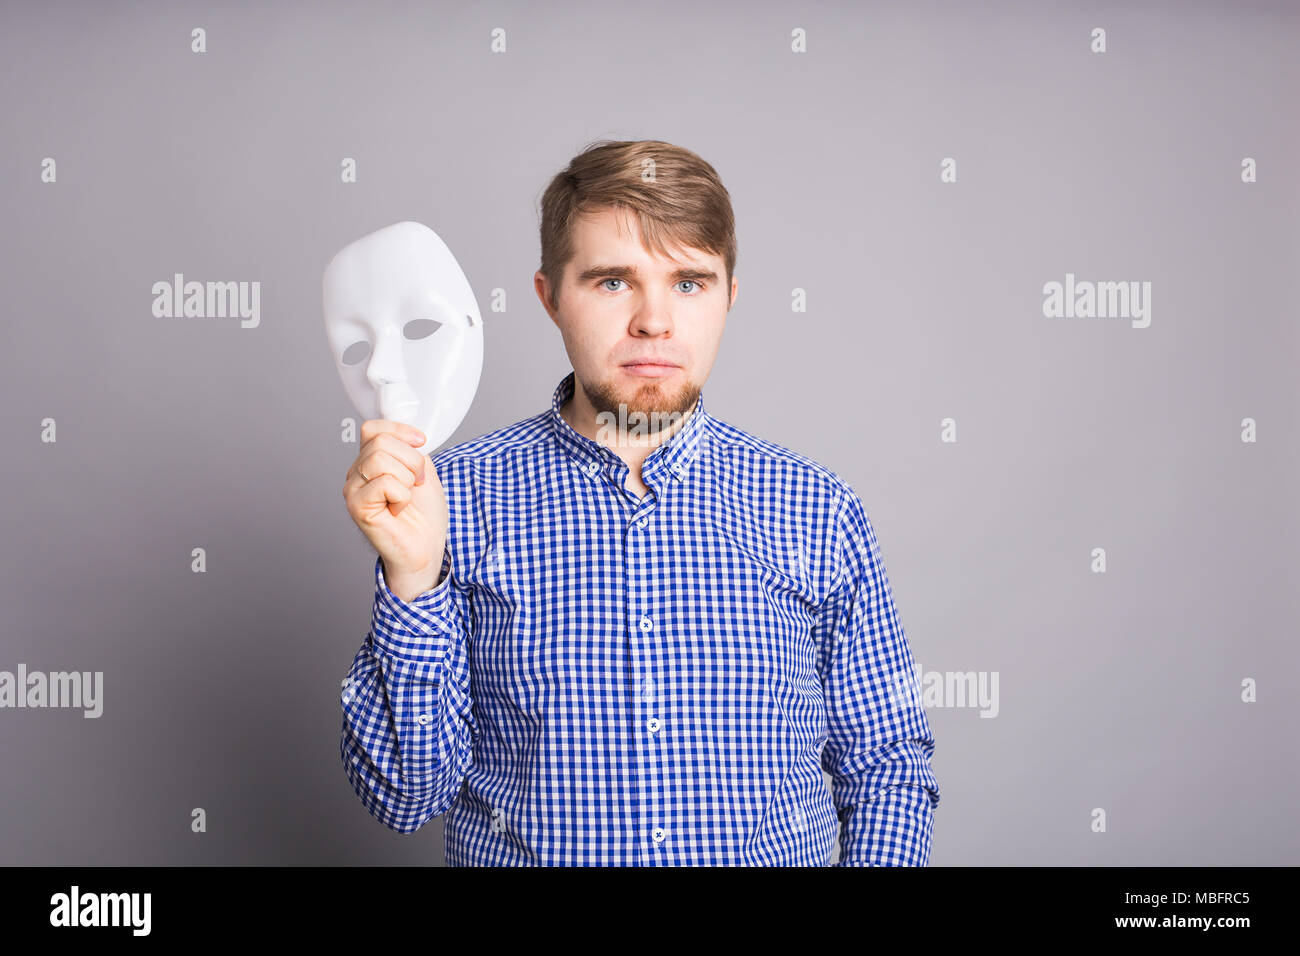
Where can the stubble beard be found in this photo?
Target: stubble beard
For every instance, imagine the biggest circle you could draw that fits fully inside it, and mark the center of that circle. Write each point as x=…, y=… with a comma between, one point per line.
x=657, y=401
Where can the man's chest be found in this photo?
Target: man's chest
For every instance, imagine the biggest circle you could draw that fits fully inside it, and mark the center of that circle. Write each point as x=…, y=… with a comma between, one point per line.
x=605, y=604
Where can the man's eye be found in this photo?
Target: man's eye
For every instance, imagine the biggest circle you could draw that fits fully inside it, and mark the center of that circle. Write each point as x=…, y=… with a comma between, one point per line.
x=696, y=286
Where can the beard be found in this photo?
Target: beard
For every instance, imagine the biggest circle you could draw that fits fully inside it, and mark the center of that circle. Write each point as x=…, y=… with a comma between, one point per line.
x=657, y=400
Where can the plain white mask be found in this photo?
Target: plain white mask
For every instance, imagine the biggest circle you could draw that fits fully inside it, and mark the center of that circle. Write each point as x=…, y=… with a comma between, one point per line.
x=405, y=329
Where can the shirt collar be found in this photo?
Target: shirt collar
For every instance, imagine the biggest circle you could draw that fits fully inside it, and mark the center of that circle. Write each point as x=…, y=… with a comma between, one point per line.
x=673, y=457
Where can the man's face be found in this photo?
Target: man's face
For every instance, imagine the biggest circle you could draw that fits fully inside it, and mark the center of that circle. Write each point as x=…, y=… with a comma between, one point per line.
x=620, y=308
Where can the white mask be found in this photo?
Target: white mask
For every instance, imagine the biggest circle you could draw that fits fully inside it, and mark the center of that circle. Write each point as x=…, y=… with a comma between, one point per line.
x=375, y=290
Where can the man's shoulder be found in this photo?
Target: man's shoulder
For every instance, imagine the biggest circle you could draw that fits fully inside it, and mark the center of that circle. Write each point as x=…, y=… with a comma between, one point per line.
x=748, y=450
x=520, y=436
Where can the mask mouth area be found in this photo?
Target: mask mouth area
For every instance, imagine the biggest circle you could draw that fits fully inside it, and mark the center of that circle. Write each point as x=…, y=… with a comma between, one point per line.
x=406, y=412
x=398, y=402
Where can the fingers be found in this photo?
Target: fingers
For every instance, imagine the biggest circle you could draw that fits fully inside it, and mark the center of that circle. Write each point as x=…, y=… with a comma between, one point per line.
x=388, y=464
x=394, y=491
x=381, y=463
x=377, y=426
x=388, y=452
x=384, y=489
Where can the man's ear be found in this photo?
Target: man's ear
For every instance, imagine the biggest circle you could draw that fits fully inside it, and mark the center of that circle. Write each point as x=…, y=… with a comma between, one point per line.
x=540, y=285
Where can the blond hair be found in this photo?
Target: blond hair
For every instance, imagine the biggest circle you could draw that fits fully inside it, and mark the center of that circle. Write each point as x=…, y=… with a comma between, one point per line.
x=676, y=197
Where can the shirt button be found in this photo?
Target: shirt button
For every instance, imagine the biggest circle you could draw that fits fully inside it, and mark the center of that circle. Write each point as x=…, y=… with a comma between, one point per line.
x=592, y=468
x=646, y=624
x=643, y=522
x=652, y=725
x=423, y=720
x=658, y=835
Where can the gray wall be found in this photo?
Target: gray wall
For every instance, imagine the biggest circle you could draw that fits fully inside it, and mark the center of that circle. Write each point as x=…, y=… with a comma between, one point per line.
x=1119, y=690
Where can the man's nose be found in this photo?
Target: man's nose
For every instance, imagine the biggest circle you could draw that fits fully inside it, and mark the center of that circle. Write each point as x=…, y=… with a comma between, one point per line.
x=653, y=314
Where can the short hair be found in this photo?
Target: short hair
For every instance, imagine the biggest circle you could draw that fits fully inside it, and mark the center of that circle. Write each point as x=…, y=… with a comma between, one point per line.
x=676, y=196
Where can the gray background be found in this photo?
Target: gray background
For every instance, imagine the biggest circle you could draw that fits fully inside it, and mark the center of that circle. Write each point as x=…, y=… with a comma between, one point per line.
x=1119, y=690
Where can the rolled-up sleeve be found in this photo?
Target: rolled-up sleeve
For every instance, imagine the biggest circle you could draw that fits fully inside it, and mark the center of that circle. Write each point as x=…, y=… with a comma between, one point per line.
x=879, y=743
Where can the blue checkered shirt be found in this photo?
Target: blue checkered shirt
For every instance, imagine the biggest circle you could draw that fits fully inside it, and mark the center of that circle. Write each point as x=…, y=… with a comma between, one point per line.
x=599, y=679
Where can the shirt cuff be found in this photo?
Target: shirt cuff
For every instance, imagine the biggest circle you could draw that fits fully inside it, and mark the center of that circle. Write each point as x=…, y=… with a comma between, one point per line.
x=417, y=629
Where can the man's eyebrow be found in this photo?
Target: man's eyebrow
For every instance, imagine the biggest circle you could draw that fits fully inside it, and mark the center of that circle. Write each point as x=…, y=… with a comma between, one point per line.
x=629, y=272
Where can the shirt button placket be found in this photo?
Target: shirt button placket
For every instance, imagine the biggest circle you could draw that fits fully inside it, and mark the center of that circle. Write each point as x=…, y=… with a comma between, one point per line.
x=644, y=654
x=649, y=754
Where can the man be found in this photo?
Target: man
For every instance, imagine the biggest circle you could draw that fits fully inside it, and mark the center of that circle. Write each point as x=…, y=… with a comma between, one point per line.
x=609, y=638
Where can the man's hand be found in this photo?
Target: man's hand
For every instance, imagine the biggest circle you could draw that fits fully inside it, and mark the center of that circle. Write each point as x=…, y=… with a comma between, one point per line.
x=393, y=494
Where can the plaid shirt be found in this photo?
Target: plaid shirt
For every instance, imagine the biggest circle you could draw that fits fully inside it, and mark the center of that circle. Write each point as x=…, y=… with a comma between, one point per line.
x=605, y=680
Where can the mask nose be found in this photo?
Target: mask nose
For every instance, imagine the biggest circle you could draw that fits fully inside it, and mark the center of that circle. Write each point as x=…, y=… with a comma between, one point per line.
x=387, y=375
x=386, y=367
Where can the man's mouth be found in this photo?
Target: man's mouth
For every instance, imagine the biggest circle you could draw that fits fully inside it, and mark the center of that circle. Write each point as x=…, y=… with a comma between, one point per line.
x=650, y=368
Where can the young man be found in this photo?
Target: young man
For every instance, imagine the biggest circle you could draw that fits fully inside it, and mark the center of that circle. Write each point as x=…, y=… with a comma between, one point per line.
x=604, y=638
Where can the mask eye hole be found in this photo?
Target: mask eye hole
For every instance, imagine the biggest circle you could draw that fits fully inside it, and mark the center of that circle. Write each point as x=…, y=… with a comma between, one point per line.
x=420, y=328
x=356, y=352
x=470, y=319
